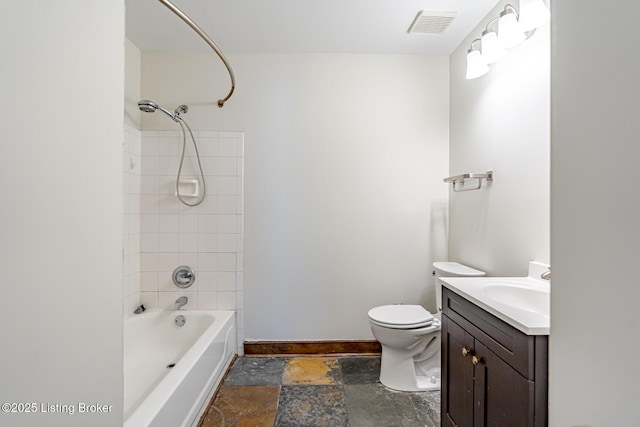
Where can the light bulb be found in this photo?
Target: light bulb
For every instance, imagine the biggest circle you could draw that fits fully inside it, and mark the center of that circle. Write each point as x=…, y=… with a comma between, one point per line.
x=492, y=50
x=533, y=14
x=476, y=66
x=509, y=32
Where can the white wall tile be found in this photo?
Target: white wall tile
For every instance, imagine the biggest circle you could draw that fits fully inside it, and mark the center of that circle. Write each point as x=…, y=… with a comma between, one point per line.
x=188, y=242
x=149, y=242
x=227, y=166
x=149, y=204
x=239, y=280
x=149, y=299
x=207, y=223
x=150, y=165
x=240, y=300
x=207, y=242
x=227, y=262
x=150, y=144
x=209, y=165
x=149, y=184
x=208, y=147
x=227, y=185
x=169, y=242
x=188, y=259
x=207, y=280
x=206, y=237
x=189, y=223
x=226, y=281
x=149, y=262
x=207, y=300
x=170, y=146
x=169, y=223
x=165, y=282
x=207, y=262
x=149, y=281
x=149, y=223
x=227, y=224
x=209, y=205
x=227, y=204
x=227, y=243
x=168, y=165
x=227, y=301
x=167, y=261
x=227, y=147
x=167, y=300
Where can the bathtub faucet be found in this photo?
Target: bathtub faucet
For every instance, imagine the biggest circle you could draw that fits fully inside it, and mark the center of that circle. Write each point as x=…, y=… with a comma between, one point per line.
x=180, y=302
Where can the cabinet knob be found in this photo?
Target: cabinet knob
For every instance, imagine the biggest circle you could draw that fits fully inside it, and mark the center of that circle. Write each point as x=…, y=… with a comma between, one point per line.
x=475, y=360
x=465, y=351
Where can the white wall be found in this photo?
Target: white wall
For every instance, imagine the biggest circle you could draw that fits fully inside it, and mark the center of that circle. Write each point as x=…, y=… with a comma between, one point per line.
x=500, y=121
x=344, y=158
x=132, y=84
x=595, y=241
x=61, y=236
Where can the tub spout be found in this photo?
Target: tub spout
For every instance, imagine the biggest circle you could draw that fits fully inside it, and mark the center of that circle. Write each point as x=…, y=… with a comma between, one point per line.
x=180, y=302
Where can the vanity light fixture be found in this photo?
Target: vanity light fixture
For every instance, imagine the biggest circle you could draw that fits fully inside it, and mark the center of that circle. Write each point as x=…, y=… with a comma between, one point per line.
x=476, y=65
x=512, y=29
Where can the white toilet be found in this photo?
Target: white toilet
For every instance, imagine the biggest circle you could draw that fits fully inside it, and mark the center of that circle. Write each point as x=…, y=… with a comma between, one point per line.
x=410, y=337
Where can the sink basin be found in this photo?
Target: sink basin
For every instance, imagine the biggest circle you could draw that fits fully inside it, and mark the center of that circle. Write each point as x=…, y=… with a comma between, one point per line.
x=522, y=302
x=525, y=298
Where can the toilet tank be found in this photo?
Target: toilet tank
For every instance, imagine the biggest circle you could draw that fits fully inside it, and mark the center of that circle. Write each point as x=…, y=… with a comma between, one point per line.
x=451, y=269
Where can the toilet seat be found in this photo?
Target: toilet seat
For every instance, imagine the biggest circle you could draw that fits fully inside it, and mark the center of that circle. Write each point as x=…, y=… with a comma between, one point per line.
x=401, y=316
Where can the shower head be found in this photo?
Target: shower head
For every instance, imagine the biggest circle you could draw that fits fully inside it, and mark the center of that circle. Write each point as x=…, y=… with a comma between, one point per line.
x=150, y=107
x=147, y=106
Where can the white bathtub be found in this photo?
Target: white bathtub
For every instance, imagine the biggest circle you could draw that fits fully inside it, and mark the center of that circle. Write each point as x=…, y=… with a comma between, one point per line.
x=202, y=349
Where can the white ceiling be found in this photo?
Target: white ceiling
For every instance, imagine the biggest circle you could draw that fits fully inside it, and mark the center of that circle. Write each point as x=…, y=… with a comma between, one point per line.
x=301, y=26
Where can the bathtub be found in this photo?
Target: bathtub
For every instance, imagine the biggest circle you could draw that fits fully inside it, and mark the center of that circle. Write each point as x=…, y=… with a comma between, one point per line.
x=156, y=394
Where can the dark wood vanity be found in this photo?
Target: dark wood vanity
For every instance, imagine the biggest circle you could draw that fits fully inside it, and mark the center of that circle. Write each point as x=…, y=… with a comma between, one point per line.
x=493, y=375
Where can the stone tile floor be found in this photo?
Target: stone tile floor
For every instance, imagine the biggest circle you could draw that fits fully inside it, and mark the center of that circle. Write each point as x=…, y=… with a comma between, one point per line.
x=315, y=392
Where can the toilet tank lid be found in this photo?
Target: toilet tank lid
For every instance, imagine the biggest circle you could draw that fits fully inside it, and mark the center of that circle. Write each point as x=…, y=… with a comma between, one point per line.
x=454, y=269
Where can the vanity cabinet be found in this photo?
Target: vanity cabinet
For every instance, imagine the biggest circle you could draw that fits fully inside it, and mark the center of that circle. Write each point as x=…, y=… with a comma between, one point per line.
x=493, y=375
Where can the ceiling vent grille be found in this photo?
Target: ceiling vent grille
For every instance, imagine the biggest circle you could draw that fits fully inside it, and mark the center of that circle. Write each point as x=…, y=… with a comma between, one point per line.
x=433, y=23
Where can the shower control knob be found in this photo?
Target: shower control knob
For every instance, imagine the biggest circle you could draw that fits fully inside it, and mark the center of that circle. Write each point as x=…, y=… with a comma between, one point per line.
x=183, y=277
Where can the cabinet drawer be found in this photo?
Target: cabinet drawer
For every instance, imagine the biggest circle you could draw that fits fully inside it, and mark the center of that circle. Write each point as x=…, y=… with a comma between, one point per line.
x=508, y=343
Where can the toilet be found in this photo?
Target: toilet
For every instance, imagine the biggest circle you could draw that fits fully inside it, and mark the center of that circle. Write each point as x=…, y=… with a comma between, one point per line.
x=410, y=337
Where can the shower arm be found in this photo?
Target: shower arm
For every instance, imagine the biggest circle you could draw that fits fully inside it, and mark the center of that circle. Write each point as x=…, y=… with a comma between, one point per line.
x=210, y=42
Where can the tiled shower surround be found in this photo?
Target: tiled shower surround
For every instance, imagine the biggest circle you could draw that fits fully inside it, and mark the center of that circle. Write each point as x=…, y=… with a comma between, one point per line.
x=208, y=238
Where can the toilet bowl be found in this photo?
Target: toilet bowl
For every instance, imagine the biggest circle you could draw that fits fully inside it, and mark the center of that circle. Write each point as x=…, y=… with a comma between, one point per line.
x=410, y=337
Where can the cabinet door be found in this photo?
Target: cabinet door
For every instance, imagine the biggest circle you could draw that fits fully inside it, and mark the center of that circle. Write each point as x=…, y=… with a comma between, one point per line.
x=503, y=397
x=457, y=372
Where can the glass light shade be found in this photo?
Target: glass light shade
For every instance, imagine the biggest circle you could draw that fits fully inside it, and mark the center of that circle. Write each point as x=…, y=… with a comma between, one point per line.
x=533, y=14
x=476, y=66
x=509, y=32
x=492, y=50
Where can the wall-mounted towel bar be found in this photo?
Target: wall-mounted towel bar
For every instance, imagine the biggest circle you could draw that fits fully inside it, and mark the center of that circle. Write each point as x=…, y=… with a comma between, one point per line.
x=458, y=181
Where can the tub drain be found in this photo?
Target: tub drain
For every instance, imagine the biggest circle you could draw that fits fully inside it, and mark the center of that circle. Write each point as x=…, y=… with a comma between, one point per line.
x=180, y=320
x=171, y=365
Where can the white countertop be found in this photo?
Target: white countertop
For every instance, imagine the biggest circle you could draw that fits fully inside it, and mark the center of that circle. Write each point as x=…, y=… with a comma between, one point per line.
x=522, y=302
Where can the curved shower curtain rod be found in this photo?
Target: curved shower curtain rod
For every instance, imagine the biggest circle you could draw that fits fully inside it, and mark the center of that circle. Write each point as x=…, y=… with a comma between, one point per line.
x=210, y=42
